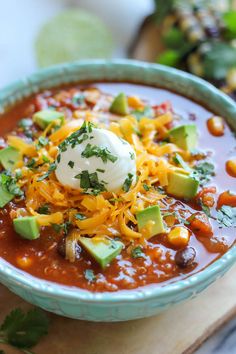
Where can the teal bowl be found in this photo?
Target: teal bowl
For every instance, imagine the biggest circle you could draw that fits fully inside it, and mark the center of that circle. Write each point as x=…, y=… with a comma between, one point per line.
x=144, y=301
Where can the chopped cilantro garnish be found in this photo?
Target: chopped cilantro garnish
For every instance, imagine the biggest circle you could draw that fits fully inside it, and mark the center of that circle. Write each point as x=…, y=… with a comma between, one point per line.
x=65, y=227
x=77, y=137
x=226, y=216
x=89, y=181
x=132, y=155
x=44, y=209
x=42, y=141
x=89, y=275
x=58, y=158
x=45, y=159
x=8, y=183
x=128, y=182
x=31, y=163
x=23, y=330
x=71, y=164
x=100, y=170
x=101, y=152
x=79, y=216
x=137, y=252
x=203, y=172
x=146, y=187
x=51, y=168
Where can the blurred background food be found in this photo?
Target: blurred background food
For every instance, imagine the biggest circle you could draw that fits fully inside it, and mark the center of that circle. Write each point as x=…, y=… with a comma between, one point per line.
x=198, y=36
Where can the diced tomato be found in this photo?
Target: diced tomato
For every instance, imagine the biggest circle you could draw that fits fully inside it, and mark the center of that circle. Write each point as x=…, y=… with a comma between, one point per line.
x=163, y=108
x=200, y=224
x=226, y=198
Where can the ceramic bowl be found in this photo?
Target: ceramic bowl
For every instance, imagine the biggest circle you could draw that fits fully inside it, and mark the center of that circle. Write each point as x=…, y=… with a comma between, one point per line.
x=145, y=301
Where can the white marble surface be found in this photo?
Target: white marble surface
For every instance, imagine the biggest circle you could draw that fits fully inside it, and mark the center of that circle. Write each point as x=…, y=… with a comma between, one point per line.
x=19, y=24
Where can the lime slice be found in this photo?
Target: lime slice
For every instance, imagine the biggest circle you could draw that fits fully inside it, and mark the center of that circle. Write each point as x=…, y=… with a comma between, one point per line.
x=72, y=35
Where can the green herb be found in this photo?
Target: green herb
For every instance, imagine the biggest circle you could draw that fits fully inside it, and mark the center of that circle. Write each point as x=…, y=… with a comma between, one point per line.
x=100, y=170
x=42, y=141
x=206, y=209
x=178, y=160
x=31, y=164
x=51, y=168
x=8, y=183
x=18, y=174
x=45, y=159
x=24, y=330
x=128, y=182
x=137, y=252
x=79, y=216
x=90, y=181
x=132, y=155
x=142, y=112
x=226, y=216
x=103, y=153
x=77, y=137
x=65, y=227
x=71, y=164
x=89, y=275
x=160, y=190
x=203, y=172
x=58, y=158
x=146, y=187
x=44, y=209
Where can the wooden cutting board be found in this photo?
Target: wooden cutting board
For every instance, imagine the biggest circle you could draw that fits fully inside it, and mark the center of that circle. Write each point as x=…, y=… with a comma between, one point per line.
x=179, y=330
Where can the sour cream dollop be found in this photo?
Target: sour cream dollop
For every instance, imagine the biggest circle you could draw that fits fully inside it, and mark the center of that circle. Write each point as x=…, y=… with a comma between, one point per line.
x=101, y=156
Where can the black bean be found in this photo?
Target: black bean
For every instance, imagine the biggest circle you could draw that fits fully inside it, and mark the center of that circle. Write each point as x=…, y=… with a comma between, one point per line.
x=185, y=257
x=61, y=247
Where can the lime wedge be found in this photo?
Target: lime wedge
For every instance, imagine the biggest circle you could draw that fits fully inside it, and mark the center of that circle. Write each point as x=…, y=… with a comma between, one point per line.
x=72, y=35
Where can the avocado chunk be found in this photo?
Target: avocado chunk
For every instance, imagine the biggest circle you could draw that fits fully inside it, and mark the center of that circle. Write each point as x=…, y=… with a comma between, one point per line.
x=103, y=251
x=5, y=196
x=27, y=227
x=46, y=117
x=153, y=214
x=184, y=136
x=120, y=105
x=182, y=185
x=9, y=157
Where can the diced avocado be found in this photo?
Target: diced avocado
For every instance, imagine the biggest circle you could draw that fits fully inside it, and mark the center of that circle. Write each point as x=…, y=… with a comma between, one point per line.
x=46, y=117
x=9, y=157
x=184, y=136
x=120, y=105
x=5, y=197
x=27, y=227
x=182, y=185
x=103, y=251
x=151, y=213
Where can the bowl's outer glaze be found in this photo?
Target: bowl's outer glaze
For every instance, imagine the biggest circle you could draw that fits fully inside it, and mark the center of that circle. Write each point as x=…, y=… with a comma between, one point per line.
x=145, y=301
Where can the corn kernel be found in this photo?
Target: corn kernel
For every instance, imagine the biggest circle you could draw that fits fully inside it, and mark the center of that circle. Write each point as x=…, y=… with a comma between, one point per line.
x=216, y=126
x=179, y=236
x=135, y=102
x=231, y=167
x=24, y=261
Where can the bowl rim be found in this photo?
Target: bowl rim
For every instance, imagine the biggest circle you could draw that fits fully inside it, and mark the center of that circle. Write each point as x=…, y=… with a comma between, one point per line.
x=13, y=275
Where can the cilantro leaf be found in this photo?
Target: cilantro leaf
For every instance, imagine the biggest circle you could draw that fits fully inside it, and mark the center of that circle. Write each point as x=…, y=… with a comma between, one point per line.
x=128, y=182
x=137, y=252
x=44, y=209
x=226, y=216
x=23, y=330
x=101, y=152
x=203, y=172
x=8, y=183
